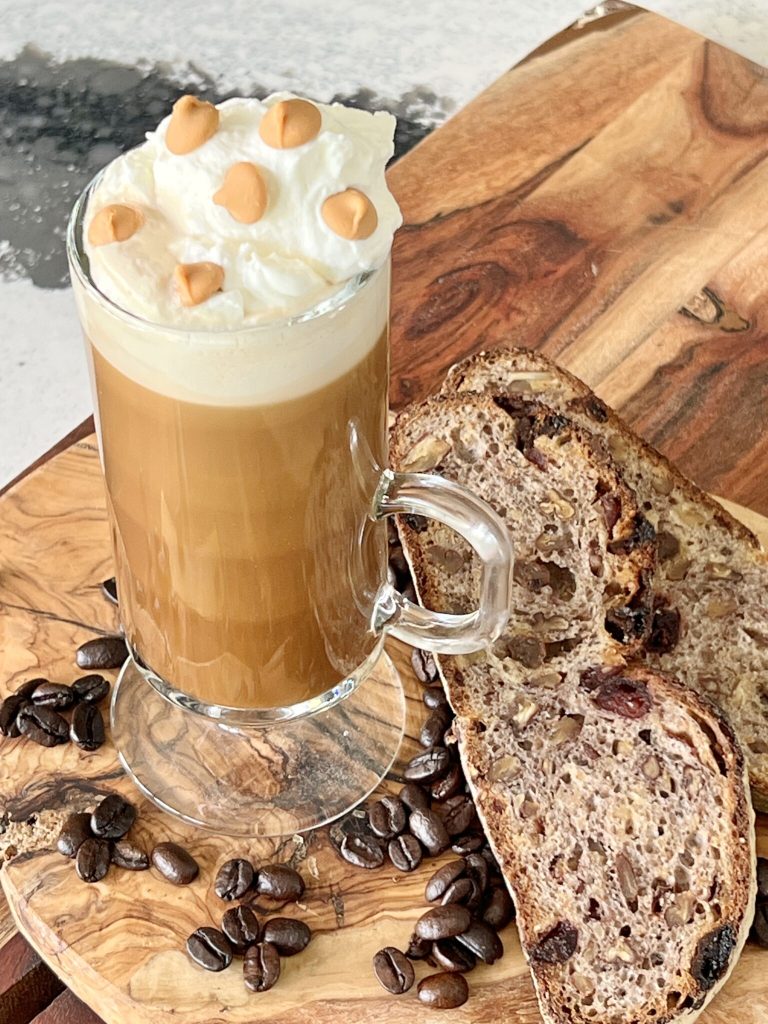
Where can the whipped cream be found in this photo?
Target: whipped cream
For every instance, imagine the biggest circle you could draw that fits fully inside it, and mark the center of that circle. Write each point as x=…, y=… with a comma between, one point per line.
x=283, y=264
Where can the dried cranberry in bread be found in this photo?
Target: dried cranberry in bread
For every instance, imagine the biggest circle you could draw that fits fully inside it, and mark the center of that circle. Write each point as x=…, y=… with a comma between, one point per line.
x=710, y=622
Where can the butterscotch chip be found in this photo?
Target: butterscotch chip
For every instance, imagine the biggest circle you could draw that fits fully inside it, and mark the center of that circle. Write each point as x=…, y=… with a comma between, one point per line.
x=193, y=122
x=114, y=223
x=244, y=193
x=290, y=123
x=350, y=214
x=197, y=282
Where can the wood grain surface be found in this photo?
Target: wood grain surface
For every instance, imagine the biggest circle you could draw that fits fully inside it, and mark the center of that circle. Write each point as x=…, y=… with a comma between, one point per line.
x=606, y=201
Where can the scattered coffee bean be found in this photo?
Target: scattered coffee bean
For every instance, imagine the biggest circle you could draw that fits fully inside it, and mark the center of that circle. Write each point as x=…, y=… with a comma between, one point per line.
x=405, y=852
x=434, y=697
x=458, y=815
x=210, y=949
x=261, y=967
x=42, y=725
x=92, y=859
x=442, y=878
x=109, y=589
x=760, y=924
x=450, y=784
x=175, y=863
x=241, y=927
x=129, y=855
x=463, y=890
x=280, y=882
x=394, y=970
x=387, y=817
x=234, y=879
x=113, y=817
x=443, y=923
x=424, y=666
x=415, y=797
x=9, y=711
x=362, y=851
x=452, y=956
x=434, y=727
x=418, y=948
x=87, y=728
x=430, y=765
x=444, y=991
x=429, y=829
x=58, y=696
x=75, y=830
x=483, y=941
x=470, y=842
x=90, y=689
x=499, y=909
x=102, y=652
x=288, y=936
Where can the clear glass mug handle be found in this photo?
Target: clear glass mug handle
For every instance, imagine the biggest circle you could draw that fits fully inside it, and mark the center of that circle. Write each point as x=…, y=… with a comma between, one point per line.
x=455, y=506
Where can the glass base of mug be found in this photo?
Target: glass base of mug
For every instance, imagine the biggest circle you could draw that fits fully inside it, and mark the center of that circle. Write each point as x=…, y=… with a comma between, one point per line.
x=251, y=781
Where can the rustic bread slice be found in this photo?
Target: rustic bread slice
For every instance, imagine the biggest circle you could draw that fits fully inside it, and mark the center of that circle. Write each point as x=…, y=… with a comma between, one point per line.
x=710, y=625
x=559, y=741
x=583, y=549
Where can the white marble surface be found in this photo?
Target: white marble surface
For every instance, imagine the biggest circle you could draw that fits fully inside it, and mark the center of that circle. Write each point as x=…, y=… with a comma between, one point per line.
x=448, y=48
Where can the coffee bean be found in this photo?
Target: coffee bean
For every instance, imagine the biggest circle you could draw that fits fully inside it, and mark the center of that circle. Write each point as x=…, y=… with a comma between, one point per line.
x=261, y=967
x=53, y=695
x=42, y=725
x=405, y=852
x=90, y=689
x=429, y=829
x=434, y=697
x=174, y=863
x=241, y=927
x=75, y=830
x=458, y=815
x=483, y=941
x=424, y=666
x=452, y=956
x=463, y=890
x=288, y=936
x=209, y=949
x=362, y=851
x=415, y=797
x=442, y=878
x=87, y=728
x=449, y=785
x=470, y=842
x=432, y=730
x=443, y=923
x=418, y=948
x=280, y=882
x=762, y=878
x=760, y=924
x=92, y=859
x=109, y=589
x=430, y=765
x=393, y=970
x=499, y=909
x=234, y=879
x=444, y=991
x=9, y=711
x=387, y=817
x=102, y=652
x=113, y=817
x=129, y=855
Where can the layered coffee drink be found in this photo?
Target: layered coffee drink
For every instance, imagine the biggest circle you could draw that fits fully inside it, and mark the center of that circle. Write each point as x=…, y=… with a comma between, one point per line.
x=239, y=354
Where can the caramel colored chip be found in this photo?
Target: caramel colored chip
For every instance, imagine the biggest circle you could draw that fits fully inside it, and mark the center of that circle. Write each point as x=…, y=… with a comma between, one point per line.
x=290, y=123
x=197, y=282
x=244, y=193
x=193, y=122
x=114, y=223
x=350, y=214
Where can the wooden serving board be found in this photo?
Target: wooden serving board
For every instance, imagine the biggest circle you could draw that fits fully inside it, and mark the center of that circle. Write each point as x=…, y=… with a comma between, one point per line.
x=606, y=201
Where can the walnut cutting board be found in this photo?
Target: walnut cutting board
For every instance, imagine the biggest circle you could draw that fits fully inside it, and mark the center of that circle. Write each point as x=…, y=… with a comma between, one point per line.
x=606, y=201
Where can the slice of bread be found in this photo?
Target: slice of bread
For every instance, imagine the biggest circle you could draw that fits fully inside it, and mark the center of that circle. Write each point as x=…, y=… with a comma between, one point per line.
x=615, y=800
x=710, y=626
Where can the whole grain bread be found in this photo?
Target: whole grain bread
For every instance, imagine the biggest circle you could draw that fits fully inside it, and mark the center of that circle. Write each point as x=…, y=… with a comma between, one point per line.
x=615, y=800
x=710, y=627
